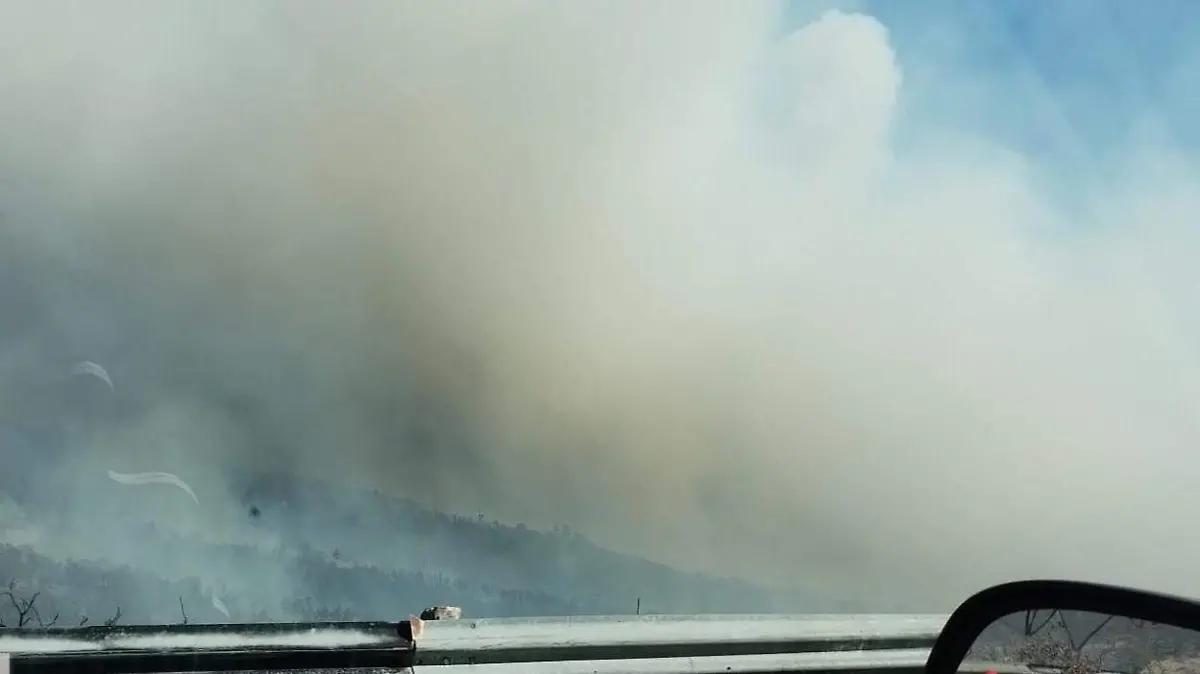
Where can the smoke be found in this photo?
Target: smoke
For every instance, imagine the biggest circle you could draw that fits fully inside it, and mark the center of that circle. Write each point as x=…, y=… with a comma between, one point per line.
x=745, y=302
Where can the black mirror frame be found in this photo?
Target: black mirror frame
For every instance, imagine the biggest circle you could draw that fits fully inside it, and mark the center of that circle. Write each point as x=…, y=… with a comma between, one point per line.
x=975, y=614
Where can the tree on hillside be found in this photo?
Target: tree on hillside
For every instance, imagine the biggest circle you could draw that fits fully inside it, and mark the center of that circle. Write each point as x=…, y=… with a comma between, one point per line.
x=24, y=610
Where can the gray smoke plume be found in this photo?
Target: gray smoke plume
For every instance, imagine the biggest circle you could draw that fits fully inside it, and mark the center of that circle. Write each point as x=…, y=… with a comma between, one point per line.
x=650, y=269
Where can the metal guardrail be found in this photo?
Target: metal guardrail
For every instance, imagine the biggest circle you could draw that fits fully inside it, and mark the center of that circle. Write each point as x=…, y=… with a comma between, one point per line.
x=208, y=648
x=584, y=645
x=463, y=642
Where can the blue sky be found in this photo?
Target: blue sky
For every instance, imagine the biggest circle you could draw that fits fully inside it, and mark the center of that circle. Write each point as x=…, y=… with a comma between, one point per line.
x=1063, y=80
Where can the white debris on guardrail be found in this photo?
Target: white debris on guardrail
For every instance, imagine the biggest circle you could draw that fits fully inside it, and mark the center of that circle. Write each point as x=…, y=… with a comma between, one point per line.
x=441, y=613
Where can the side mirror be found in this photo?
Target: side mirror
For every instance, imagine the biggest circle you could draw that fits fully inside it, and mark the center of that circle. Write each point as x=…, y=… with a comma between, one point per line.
x=1066, y=627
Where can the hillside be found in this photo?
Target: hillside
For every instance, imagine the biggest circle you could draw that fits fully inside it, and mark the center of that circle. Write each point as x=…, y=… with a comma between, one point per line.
x=344, y=553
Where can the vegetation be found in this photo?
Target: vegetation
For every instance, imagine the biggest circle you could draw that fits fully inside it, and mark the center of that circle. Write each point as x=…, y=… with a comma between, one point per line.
x=488, y=568
x=1076, y=642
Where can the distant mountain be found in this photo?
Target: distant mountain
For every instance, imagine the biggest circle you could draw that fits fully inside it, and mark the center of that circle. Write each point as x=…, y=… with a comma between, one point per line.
x=560, y=562
x=339, y=552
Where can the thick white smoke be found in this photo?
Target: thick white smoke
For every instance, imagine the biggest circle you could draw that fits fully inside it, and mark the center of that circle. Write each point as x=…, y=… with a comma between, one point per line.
x=648, y=268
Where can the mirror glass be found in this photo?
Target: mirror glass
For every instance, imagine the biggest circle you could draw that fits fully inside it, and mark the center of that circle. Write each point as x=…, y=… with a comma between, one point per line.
x=1079, y=642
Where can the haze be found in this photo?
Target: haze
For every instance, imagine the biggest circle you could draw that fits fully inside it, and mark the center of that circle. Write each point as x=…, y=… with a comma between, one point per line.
x=747, y=288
